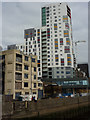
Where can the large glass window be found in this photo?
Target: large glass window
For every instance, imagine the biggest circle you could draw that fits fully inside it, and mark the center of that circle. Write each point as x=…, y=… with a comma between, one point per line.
x=67, y=49
x=34, y=85
x=66, y=33
x=26, y=67
x=55, y=26
x=26, y=58
x=56, y=58
x=68, y=41
x=65, y=18
x=33, y=59
x=34, y=77
x=25, y=84
x=34, y=69
x=66, y=25
x=62, y=61
x=68, y=59
x=61, y=41
x=43, y=16
x=56, y=43
x=25, y=75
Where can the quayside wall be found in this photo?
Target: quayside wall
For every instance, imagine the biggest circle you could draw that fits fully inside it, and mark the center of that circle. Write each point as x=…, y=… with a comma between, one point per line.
x=21, y=109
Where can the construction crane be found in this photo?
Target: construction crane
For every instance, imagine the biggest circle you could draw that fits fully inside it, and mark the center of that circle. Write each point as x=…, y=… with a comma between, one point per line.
x=76, y=42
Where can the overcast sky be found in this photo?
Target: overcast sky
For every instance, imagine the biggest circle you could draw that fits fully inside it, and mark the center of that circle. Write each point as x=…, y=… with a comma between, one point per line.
x=17, y=16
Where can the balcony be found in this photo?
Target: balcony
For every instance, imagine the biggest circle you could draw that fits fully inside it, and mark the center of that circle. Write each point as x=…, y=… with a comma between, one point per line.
x=44, y=50
x=44, y=74
x=18, y=76
x=18, y=67
x=44, y=45
x=43, y=41
x=45, y=65
x=44, y=57
x=45, y=69
x=18, y=85
x=44, y=53
x=18, y=58
x=44, y=61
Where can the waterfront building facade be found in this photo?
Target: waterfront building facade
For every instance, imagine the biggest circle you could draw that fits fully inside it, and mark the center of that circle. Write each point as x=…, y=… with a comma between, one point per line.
x=19, y=73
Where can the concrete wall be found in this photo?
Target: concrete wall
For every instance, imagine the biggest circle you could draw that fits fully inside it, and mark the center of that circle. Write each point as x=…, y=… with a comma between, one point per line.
x=44, y=106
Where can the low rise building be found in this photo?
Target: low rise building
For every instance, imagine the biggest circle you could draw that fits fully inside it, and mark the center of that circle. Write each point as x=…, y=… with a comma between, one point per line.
x=19, y=73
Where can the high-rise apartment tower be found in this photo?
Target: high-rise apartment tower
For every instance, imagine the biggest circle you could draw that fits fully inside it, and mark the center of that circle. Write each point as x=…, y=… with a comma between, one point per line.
x=52, y=43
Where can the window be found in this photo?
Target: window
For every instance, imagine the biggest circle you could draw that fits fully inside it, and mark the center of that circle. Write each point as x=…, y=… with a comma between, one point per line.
x=25, y=67
x=48, y=33
x=67, y=72
x=26, y=58
x=25, y=84
x=65, y=18
x=34, y=85
x=47, y=11
x=56, y=43
x=68, y=41
x=61, y=41
x=55, y=26
x=25, y=76
x=56, y=58
x=26, y=93
x=34, y=76
x=40, y=84
x=48, y=55
x=34, y=69
x=66, y=25
x=49, y=64
x=62, y=72
x=57, y=76
x=33, y=59
x=38, y=69
x=55, y=35
x=57, y=71
x=68, y=59
x=38, y=39
x=67, y=49
x=48, y=51
x=48, y=59
x=62, y=61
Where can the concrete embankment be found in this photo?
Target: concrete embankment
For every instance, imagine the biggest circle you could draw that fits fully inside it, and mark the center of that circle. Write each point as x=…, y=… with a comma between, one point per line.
x=44, y=107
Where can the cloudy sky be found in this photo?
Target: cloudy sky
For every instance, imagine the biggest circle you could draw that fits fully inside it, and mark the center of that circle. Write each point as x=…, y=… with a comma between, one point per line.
x=17, y=16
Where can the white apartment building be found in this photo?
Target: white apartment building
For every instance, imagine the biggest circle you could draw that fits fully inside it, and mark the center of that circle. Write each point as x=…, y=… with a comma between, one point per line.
x=52, y=43
x=57, y=20
x=32, y=44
